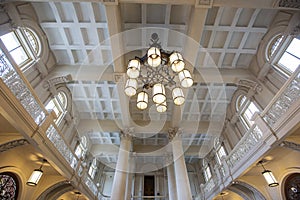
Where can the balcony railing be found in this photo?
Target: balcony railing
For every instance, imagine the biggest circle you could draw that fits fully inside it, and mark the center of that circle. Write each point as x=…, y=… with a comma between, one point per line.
x=251, y=144
x=283, y=100
x=15, y=81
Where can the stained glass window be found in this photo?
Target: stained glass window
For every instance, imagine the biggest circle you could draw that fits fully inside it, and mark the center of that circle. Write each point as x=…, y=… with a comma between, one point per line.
x=8, y=186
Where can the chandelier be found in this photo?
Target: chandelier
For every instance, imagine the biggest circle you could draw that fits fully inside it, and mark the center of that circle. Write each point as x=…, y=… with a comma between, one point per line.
x=157, y=70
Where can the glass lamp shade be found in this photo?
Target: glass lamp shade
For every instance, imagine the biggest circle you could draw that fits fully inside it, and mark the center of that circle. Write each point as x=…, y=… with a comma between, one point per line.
x=159, y=94
x=130, y=87
x=35, y=177
x=154, y=58
x=185, y=78
x=162, y=107
x=176, y=61
x=133, y=69
x=142, y=100
x=178, y=96
x=268, y=175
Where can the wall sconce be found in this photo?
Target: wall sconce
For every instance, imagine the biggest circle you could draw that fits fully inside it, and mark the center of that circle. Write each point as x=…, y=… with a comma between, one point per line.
x=268, y=175
x=36, y=175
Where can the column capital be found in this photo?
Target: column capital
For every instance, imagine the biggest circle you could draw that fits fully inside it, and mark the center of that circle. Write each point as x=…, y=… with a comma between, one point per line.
x=127, y=133
x=174, y=132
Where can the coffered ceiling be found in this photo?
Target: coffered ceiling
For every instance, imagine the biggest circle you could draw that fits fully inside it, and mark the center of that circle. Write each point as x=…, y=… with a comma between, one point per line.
x=93, y=42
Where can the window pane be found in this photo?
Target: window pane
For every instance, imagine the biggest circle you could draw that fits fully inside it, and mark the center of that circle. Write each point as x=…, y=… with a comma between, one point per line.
x=10, y=41
x=32, y=40
x=294, y=47
x=19, y=55
x=289, y=62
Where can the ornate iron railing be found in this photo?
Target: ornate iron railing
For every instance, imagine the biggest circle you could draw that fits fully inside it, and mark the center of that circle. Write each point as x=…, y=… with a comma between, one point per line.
x=20, y=89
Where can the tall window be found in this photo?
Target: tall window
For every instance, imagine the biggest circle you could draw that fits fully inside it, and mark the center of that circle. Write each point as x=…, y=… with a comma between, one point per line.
x=23, y=45
x=81, y=147
x=220, y=153
x=206, y=171
x=59, y=105
x=93, y=168
x=8, y=186
x=246, y=110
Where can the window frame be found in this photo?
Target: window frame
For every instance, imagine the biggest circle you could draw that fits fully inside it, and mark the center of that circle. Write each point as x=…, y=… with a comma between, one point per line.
x=242, y=106
x=25, y=45
x=58, y=105
x=279, y=52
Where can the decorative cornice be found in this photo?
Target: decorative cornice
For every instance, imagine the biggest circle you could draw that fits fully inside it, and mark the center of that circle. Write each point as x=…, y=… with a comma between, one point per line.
x=290, y=145
x=12, y=144
x=250, y=84
x=110, y=2
x=57, y=80
x=203, y=3
x=289, y=4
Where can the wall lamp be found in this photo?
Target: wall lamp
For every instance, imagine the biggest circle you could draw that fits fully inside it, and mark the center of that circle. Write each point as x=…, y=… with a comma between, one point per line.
x=36, y=175
x=268, y=175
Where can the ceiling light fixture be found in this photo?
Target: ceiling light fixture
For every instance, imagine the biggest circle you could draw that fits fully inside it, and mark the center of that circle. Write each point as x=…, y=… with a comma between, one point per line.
x=157, y=70
x=36, y=175
x=268, y=175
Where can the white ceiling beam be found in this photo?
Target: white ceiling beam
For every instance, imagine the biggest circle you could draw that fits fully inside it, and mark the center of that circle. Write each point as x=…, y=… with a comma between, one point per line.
x=189, y=127
x=190, y=51
x=114, y=23
x=202, y=75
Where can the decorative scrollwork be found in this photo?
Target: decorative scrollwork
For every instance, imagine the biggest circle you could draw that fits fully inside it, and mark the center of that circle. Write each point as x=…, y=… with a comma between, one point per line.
x=61, y=146
x=290, y=95
x=248, y=142
x=57, y=80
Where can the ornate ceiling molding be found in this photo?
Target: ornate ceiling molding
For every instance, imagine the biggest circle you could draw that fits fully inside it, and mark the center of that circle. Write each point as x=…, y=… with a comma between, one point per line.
x=57, y=80
x=289, y=4
x=250, y=84
x=12, y=144
x=290, y=145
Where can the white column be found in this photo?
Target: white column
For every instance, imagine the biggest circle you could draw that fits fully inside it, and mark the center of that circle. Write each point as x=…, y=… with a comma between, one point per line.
x=130, y=175
x=119, y=184
x=171, y=181
x=182, y=180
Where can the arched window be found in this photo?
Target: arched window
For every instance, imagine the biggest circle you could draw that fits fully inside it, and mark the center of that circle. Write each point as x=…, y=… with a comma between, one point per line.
x=273, y=45
x=81, y=147
x=59, y=105
x=23, y=45
x=9, y=186
x=246, y=110
x=283, y=51
x=93, y=168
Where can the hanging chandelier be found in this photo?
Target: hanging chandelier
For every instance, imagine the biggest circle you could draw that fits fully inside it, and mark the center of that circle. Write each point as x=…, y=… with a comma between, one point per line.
x=155, y=72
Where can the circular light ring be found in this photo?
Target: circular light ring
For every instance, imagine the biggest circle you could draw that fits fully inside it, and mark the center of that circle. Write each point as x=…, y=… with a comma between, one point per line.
x=162, y=107
x=176, y=61
x=142, y=100
x=133, y=69
x=185, y=78
x=178, y=96
x=130, y=87
x=159, y=94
